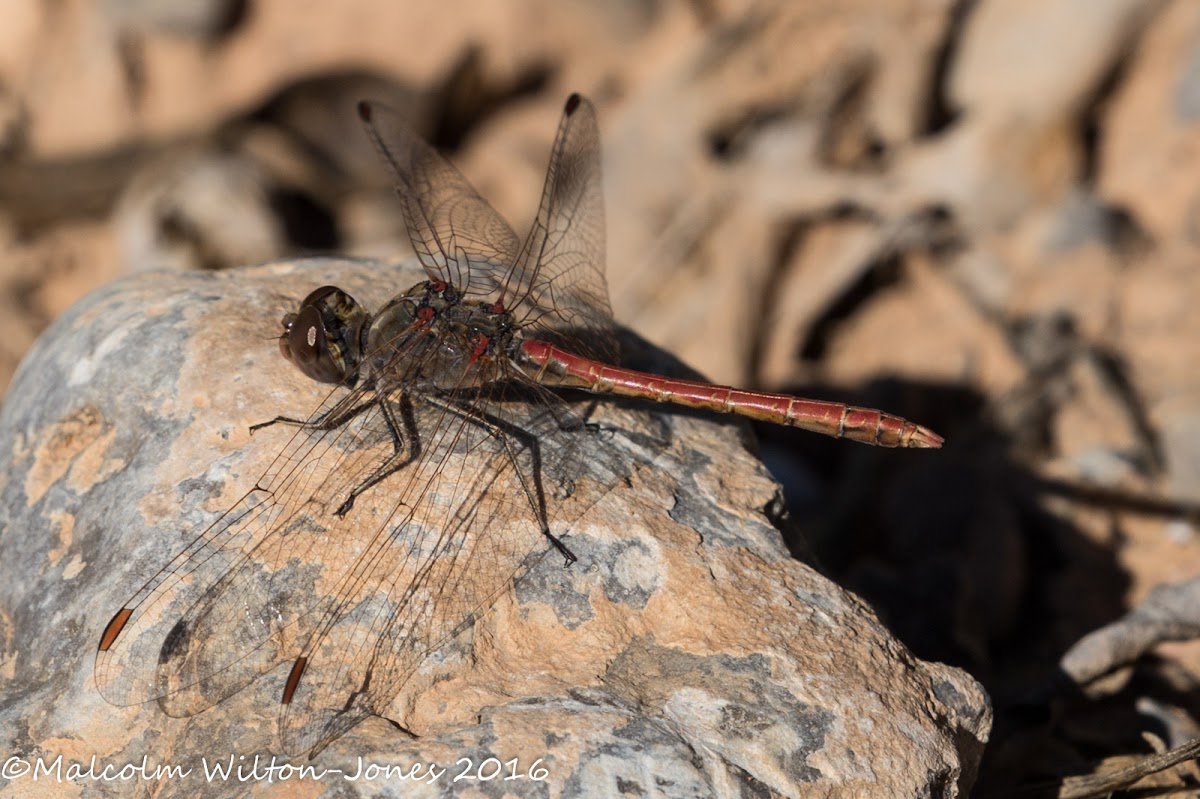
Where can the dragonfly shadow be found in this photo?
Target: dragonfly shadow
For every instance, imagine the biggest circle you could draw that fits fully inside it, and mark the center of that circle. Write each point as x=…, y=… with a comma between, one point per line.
x=972, y=558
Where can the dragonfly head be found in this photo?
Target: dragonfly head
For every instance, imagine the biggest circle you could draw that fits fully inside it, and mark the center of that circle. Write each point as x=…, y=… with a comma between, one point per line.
x=325, y=337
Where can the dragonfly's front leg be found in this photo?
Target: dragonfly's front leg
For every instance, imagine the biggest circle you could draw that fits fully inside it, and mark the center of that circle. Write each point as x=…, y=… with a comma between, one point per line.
x=332, y=419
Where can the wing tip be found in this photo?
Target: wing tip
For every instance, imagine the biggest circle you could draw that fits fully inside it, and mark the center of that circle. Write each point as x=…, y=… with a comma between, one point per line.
x=365, y=110
x=572, y=103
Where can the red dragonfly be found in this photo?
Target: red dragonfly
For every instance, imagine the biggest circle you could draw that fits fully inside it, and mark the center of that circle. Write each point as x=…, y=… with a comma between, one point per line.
x=442, y=412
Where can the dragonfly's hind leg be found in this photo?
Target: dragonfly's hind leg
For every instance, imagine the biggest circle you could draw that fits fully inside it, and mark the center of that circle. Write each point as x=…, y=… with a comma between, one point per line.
x=532, y=488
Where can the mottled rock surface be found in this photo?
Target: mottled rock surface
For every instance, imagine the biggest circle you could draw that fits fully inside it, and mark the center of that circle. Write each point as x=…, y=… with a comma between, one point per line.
x=685, y=654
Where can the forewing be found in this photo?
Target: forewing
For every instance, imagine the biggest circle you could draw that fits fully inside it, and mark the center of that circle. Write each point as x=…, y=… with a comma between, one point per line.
x=456, y=234
x=559, y=274
x=232, y=605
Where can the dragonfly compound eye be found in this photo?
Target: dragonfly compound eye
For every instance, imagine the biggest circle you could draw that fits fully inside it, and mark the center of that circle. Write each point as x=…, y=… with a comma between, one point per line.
x=324, y=338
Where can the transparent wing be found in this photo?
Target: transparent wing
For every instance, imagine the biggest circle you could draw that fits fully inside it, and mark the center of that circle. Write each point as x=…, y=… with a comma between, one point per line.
x=456, y=234
x=229, y=606
x=472, y=528
x=467, y=541
x=236, y=601
x=559, y=274
x=554, y=282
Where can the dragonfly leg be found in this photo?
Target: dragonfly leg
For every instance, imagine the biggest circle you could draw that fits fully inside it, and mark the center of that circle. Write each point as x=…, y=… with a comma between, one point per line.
x=335, y=417
x=399, y=459
x=502, y=430
x=338, y=416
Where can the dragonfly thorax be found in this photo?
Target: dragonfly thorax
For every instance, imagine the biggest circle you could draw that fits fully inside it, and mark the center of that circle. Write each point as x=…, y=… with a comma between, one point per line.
x=430, y=337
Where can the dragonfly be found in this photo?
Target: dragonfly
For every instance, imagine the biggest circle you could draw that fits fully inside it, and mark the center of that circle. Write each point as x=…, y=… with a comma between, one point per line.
x=451, y=412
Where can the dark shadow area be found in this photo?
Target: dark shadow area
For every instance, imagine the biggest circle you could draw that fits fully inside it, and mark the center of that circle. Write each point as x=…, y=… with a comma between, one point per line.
x=940, y=112
x=1059, y=731
x=971, y=559
x=467, y=97
x=308, y=224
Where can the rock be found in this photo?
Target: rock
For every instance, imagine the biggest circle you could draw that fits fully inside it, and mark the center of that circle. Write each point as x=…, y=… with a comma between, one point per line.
x=1169, y=613
x=1151, y=139
x=203, y=21
x=684, y=654
x=199, y=208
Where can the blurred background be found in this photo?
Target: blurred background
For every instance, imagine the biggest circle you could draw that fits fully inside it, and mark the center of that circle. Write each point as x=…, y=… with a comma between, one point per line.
x=983, y=216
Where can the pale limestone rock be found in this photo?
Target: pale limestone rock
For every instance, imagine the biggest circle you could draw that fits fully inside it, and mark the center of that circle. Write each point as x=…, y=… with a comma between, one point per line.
x=685, y=654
